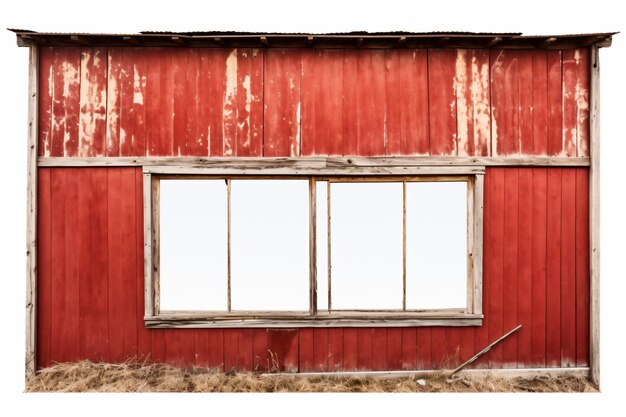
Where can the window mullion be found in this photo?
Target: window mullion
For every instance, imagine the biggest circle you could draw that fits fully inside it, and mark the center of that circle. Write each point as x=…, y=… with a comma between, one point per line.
x=312, y=247
x=404, y=245
x=328, y=244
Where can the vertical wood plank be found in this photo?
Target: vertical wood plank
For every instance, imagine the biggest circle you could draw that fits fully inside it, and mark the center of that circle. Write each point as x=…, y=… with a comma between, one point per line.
x=66, y=102
x=555, y=119
x=305, y=350
x=201, y=348
x=505, y=102
x=371, y=116
x=553, y=269
x=582, y=268
x=249, y=102
x=281, y=115
x=143, y=336
x=442, y=101
x=282, y=350
x=583, y=103
x=320, y=349
x=524, y=266
x=187, y=350
x=117, y=84
x=539, y=244
x=379, y=349
x=64, y=294
x=540, y=103
x=349, y=116
x=197, y=123
x=172, y=346
x=424, y=348
x=245, y=359
x=218, y=96
x=481, y=335
x=260, y=346
x=510, y=266
x=45, y=92
x=526, y=106
x=322, y=102
x=568, y=267
x=93, y=102
x=31, y=210
x=496, y=264
x=216, y=349
x=453, y=347
x=438, y=357
x=157, y=346
x=406, y=116
x=364, y=353
x=394, y=349
x=335, y=348
x=569, y=107
x=231, y=349
x=473, y=102
x=350, y=349
x=594, y=218
x=409, y=348
x=44, y=273
x=180, y=102
x=92, y=258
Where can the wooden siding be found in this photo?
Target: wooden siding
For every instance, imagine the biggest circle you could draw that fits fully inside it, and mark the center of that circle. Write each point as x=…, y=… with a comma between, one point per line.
x=536, y=258
x=302, y=102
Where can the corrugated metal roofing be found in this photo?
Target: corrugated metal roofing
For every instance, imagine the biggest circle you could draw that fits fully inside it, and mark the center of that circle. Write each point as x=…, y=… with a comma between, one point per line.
x=354, y=39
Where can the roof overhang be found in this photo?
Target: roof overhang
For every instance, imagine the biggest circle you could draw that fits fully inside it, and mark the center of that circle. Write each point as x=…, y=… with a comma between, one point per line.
x=364, y=40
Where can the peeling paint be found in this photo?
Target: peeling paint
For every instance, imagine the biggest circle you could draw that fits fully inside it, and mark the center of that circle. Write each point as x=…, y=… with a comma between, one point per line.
x=295, y=145
x=229, y=105
x=139, y=83
x=582, y=118
x=70, y=76
x=92, y=102
x=480, y=99
x=462, y=110
x=113, y=115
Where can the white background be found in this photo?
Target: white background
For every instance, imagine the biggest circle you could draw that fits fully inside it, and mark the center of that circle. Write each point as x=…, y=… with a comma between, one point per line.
x=114, y=16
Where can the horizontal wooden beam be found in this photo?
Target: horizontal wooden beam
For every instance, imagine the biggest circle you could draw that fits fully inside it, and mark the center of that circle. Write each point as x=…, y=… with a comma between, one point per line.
x=580, y=372
x=316, y=162
x=304, y=319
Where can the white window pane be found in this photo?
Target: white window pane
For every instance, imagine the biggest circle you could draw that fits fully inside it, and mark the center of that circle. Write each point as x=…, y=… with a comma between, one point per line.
x=366, y=245
x=322, y=245
x=270, y=245
x=436, y=225
x=193, y=245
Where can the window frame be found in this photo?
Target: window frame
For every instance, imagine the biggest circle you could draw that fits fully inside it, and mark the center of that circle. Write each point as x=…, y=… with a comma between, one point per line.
x=471, y=315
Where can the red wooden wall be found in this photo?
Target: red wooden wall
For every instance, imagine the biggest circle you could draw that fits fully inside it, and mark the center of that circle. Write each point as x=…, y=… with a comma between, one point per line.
x=536, y=273
x=292, y=102
x=273, y=102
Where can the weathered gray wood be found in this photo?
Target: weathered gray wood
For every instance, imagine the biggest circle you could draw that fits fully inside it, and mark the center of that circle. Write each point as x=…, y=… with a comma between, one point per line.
x=403, y=245
x=594, y=219
x=581, y=372
x=31, y=207
x=312, y=247
x=309, y=321
x=228, y=290
x=469, y=301
x=147, y=245
x=297, y=171
x=477, y=245
x=156, y=246
x=317, y=162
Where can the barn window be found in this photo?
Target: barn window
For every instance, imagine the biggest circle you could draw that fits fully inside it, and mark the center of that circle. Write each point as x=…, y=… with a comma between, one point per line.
x=312, y=250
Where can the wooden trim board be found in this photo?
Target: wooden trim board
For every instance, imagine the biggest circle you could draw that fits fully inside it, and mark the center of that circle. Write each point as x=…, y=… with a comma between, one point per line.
x=594, y=219
x=31, y=207
x=314, y=163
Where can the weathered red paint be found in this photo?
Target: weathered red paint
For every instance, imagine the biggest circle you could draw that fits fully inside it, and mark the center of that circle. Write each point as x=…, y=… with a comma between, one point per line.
x=301, y=102
x=292, y=102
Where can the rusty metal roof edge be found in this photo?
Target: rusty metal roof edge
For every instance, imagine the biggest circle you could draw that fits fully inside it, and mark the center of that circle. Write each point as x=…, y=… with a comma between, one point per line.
x=27, y=37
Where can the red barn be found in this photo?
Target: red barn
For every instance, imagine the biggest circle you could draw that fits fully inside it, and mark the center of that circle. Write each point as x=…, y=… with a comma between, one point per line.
x=181, y=187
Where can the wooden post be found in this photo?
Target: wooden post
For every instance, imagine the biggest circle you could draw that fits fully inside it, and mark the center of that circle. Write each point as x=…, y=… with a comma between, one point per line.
x=31, y=207
x=594, y=219
x=312, y=247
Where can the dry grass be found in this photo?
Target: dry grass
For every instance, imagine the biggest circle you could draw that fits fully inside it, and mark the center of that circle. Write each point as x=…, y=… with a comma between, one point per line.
x=137, y=377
